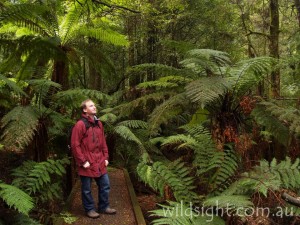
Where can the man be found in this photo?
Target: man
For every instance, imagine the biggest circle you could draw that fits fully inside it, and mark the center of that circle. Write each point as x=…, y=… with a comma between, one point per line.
x=91, y=155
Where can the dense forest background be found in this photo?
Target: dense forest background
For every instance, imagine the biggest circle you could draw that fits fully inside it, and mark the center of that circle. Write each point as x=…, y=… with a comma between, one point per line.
x=200, y=102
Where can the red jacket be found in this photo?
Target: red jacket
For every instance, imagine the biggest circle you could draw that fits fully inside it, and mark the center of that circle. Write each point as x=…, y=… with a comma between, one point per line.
x=89, y=145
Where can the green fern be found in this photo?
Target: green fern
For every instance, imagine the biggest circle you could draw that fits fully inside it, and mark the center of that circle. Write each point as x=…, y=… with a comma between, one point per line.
x=105, y=35
x=227, y=168
x=16, y=198
x=265, y=117
x=28, y=15
x=268, y=176
x=13, y=86
x=166, y=111
x=19, y=127
x=42, y=88
x=207, y=89
x=247, y=73
x=179, y=213
x=167, y=82
x=158, y=175
x=206, y=61
x=126, y=109
x=288, y=116
x=127, y=134
x=36, y=177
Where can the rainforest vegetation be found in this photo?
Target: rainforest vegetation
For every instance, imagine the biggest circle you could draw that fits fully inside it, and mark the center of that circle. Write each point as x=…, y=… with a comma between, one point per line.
x=200, y=102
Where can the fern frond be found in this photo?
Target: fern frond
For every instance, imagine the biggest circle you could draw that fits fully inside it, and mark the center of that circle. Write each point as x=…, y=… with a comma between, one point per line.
x=105, y=35
x=165, y=82
x=180, y=141
x=69, y=21
x=135, y=124
x=206, y=61
x=264, y=117
x=126, y=109
x=166, y=111
x=218, y=57
x=16, y=198
x=11, y=84
x=42, y=87
x=207, y=89
x=127, y=134
x=19, y=126
x=268, y=176
x=227, y=168
x=249, y=72
x=33, y=176
x=32, y=16
x=158, y=175
x=288, y=116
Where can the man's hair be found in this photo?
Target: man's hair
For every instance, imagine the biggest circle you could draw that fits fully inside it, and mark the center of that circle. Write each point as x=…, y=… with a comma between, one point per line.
x=83, y=104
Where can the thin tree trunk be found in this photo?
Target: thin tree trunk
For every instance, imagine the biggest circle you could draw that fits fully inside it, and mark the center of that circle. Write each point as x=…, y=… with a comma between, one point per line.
x=274, y=46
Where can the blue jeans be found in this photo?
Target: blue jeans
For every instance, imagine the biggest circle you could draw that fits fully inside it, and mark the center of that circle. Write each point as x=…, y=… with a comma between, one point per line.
x=103, y=192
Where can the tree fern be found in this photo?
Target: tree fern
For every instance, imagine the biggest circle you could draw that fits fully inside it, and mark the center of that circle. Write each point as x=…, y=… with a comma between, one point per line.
x=158, y=176
x=19, y=126
x=16, y=198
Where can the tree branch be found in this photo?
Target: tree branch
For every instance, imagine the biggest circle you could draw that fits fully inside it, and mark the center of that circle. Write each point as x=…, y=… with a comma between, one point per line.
x=258, y=33
x=115, y=6
x=290, y=199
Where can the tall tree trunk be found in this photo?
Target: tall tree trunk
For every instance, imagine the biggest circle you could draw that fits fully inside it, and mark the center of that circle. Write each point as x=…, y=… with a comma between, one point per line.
x=274, y=47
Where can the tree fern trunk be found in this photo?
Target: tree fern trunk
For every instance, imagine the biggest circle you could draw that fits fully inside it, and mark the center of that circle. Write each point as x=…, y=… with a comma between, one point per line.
x=60, y=74
x=37, y=149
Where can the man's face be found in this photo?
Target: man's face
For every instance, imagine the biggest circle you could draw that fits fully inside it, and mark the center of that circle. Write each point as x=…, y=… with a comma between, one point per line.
x=90, y=108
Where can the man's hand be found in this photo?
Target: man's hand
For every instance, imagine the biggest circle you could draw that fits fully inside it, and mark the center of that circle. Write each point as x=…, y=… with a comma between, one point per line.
x=106, y=162
x=86, y=165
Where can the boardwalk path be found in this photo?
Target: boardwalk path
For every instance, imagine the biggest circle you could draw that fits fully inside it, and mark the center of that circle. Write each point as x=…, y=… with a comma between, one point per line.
x=122, y=198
